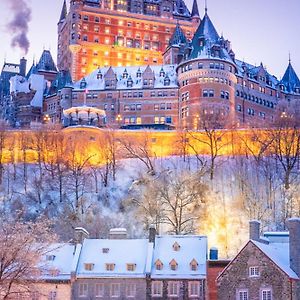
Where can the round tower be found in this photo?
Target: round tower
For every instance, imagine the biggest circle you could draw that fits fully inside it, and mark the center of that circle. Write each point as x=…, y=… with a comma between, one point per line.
x=206, y=81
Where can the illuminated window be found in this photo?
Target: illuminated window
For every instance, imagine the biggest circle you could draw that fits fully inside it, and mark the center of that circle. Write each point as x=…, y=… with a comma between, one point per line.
x=107, y=21
x=138, y=120
x=107, y=30
x=121, y=22
x=156, y=121
x=107, y=41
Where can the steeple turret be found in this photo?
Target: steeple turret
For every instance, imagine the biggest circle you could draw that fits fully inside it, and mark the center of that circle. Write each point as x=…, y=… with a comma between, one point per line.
x=290, y=80
x=63, y=13
x=195, y=10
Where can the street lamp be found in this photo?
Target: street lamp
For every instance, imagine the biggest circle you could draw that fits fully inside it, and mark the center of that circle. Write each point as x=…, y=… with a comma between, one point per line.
x=119, y=119
x=46, y=118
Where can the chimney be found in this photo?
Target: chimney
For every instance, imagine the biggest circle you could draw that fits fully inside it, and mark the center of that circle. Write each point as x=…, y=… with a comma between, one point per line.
x=152, y=233
x=23, y=63
x=118, y=234
x=294, y=229
x=254, y=230
x=213, y=253
x=80, y=234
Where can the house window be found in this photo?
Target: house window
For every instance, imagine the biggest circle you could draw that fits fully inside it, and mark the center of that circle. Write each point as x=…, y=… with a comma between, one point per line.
x=157, y=288
x=173, y=289
x=169, y=106
x=205, y=93
x=131, y=267
x=266, y=294
x=99, y=290
x=83, y=289
x=115, y=290
x=109, y=267
x=139, y=120
x=88, y=267
x=156, y=120
x=242, y=295
x=50, y=257
x=194, y=289
x=130, y=290
x=52, y=295
x=139, y=107
x=254, y=272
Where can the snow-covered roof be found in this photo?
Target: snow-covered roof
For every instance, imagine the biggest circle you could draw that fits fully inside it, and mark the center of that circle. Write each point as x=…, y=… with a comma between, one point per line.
x=279, y=253
x=11, y=68
x=95, y=82
x=191, y=247
x=100, y=252
x=59, y=262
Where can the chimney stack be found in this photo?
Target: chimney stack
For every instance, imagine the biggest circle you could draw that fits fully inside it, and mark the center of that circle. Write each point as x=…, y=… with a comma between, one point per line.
x=254, y=230
x=152, y=233
x=294, y=232
x=23, y=63
x=118, y=234
x=80, y=235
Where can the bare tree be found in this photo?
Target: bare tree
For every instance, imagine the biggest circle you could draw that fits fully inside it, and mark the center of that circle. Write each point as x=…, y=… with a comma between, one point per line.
x=172, y=199
x=22, y=246
x=139, y=148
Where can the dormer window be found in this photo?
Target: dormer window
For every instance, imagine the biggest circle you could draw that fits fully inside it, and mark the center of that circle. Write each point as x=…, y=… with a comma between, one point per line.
x=159, y=265
x=139, y=73
x=110, y=267
x=129, y=82
x=99, y=75
x=162, y=73
x=173, y=265
x=167, y=81
x=176, y=246
x=83, y=84
x=89, y=266
x=194, y=265
x=50, y=257
x=105, y=250
x=131, y=267
x=125, y=74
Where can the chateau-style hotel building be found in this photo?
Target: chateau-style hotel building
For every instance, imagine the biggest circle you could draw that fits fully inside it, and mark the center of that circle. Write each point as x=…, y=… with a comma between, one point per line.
x=156, y=64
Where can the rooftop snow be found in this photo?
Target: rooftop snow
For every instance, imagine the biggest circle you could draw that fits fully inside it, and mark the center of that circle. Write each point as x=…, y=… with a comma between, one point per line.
x=279, y=253
x=93, y=83
x=120, y=253
x=191, y=247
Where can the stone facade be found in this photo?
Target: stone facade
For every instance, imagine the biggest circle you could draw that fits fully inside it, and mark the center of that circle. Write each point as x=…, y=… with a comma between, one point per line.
x=236, y=277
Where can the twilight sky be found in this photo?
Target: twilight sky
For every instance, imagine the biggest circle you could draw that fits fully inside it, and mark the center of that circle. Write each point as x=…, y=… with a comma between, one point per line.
x=260, y=30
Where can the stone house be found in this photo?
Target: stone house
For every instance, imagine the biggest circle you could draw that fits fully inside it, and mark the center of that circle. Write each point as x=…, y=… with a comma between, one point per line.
x=266, y=268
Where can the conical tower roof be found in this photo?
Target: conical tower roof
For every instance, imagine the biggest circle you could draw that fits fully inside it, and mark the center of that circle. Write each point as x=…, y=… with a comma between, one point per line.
x=195, y=10
x=64, y=12
x=178, y=37
x=290, y=79
x=46, y=62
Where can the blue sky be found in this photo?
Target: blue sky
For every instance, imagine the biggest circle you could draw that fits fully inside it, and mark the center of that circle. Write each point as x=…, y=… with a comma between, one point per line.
x=260, y=31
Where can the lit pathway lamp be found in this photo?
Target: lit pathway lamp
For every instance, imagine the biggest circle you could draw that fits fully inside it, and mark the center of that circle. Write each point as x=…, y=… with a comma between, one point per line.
x=119, y=120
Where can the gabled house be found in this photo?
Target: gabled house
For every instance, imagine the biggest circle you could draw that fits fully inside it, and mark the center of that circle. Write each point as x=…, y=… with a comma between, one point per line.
x=266, y=268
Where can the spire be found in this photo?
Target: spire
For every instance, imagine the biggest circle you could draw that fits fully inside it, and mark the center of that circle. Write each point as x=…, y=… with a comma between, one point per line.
x=195, y=10
x=290, y=79
x=206, y=7
x=177, y=37
x=63, y=13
